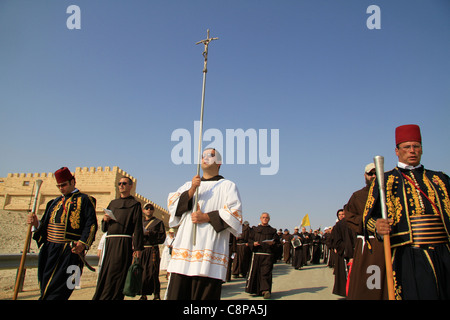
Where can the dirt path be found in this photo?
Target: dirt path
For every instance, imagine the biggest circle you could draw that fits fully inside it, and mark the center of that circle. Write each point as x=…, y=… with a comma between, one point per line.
x=313, y=282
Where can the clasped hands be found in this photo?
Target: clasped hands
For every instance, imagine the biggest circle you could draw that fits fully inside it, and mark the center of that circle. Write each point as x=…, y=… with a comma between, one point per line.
x=197, y=216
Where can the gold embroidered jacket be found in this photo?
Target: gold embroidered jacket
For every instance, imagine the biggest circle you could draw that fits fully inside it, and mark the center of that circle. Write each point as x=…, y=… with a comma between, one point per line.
x=405, y=203
x=70, y=218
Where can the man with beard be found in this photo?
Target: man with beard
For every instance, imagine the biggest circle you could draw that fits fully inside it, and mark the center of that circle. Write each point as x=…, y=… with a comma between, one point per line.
x=364, y=258
x=70, y=218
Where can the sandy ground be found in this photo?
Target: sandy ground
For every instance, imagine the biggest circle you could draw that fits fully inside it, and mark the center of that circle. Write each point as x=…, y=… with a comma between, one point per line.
x=313, y=282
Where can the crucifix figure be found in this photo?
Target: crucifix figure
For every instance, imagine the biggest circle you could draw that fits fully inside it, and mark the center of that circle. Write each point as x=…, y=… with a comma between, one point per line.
x=206, y=43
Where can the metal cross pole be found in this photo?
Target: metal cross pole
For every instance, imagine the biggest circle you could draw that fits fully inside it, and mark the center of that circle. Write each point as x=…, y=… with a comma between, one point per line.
x=379, y=168
x=200, y=136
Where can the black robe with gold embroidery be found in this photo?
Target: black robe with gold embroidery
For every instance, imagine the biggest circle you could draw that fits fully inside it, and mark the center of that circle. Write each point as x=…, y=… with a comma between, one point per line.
x=66, y=219
x=420, y=231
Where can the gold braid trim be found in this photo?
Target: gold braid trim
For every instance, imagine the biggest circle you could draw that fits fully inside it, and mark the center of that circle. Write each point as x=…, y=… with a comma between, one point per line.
x=397, y=287
x=444, y=193
x=431, y=192
x=370, y=201
x=75, y=216
x=55, y=210
x=90, y=239
x=393, y=203
x=414, y=201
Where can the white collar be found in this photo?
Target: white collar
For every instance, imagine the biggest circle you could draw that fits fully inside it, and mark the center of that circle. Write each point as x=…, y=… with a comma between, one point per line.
x=74, y=191
x=405, y=166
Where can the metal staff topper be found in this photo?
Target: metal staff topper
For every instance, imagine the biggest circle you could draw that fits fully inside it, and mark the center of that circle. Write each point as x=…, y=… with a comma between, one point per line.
x=200, y=136
x=379, y=168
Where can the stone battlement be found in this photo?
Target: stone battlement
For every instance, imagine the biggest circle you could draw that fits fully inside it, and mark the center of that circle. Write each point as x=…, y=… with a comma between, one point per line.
x=17, y=189
x=91, y=170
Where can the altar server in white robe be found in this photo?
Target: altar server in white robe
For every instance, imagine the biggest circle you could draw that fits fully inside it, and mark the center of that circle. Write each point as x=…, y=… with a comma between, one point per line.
x=198, y=270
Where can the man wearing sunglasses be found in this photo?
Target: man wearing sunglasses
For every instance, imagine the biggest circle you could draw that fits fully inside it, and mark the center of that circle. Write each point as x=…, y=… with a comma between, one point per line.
x=198, y=270
x=65, y=231
x=124, y=241
x=418, y=224
x=154, y=235
x=364, y=257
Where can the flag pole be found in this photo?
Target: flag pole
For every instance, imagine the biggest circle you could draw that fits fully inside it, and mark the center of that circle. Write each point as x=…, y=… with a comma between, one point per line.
x=379, y=168
x=200, y=136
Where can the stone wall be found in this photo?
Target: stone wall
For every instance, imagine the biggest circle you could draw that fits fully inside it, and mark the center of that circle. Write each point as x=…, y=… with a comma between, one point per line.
x=17, y=189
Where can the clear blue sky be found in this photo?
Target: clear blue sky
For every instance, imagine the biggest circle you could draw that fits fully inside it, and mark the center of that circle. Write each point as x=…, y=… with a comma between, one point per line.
x=113, y=92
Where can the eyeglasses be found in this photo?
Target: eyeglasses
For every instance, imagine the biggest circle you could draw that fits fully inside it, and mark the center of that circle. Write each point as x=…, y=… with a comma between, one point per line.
x=62, y=185
x=414, y=146
x=122, y=183
x=371, y=173
x=208, y=155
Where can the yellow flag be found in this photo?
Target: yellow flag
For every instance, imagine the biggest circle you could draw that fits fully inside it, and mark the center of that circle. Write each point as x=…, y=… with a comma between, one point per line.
x=305, y=221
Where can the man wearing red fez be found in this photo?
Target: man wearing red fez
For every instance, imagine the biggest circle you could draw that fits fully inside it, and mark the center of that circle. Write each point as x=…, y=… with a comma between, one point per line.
x=65, y=231
x=418, y=224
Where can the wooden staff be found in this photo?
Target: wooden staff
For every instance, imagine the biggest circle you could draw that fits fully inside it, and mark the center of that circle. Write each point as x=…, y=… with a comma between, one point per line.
x=200, y=136
x=27, y=242
x=379, y=168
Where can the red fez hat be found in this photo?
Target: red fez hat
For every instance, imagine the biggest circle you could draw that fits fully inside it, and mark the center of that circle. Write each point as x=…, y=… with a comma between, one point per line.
x=63, y=175
x=408, y=132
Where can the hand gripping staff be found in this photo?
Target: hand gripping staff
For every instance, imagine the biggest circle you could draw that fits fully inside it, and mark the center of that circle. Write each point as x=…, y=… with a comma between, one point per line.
x=379, y=168
x=200, y=136
x=27, y=242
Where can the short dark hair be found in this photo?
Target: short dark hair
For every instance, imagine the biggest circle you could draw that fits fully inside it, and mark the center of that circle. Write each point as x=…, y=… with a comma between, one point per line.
x=129, y=180
x=217, y=153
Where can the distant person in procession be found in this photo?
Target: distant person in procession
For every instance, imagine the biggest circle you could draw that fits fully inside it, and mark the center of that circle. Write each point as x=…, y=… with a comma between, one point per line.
x=306, y=247
x=198, y=270
x=316, y=241
x=241, y=261
x=343, y=244
x=263, y=241
x=166, y=255
x=67, y=229
x=286, y=239
x=154, y=235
